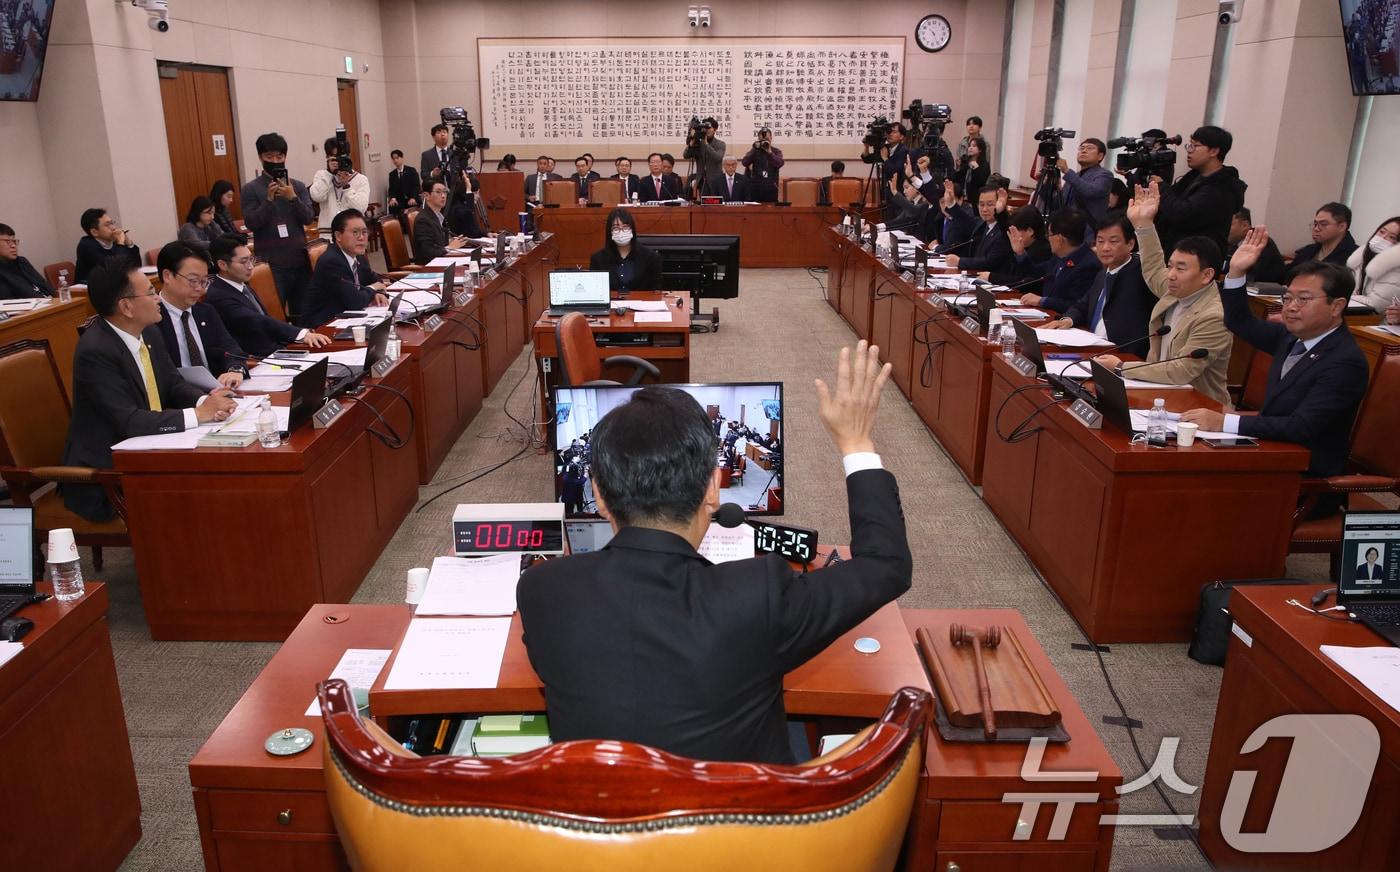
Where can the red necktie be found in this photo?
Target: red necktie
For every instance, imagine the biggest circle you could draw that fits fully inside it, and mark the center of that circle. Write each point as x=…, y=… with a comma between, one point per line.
x=658, y=188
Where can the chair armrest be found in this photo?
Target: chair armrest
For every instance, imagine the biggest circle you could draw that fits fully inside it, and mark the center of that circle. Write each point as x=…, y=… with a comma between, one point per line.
x=642, y=367
x=1348, y=484
x=61, y=474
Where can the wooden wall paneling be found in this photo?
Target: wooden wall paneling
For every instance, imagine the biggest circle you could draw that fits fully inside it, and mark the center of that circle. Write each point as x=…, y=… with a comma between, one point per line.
x=179, y=103
x=214, y=110
x=350, y=117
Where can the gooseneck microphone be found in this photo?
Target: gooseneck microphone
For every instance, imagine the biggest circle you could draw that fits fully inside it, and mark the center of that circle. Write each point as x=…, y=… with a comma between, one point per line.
x=1084, y=361
x=1193, y=354
x=730, y=515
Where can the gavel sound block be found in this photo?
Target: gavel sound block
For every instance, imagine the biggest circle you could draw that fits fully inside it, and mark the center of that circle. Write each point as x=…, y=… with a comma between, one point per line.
x=985, y=680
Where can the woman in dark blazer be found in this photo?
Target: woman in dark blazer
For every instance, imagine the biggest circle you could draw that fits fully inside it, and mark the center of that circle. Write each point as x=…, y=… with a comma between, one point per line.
x=630, y=267
x=222, y=195
x=199, y=229
x=973, y=169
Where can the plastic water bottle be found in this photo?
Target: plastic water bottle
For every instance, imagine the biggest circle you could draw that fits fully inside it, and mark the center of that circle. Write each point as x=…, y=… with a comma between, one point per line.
x=994, y=325
x=64, y=569
x=1008, y=340
x=394, y=347
x=268, y=435
x=1157, y=423
x=65, y=293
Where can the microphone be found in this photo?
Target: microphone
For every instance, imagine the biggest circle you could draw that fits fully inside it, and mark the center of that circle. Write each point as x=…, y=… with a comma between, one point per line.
x=1083, y=361
x=729, y=515
x=942, y=250
x=1065, y=384
x=1194, y=354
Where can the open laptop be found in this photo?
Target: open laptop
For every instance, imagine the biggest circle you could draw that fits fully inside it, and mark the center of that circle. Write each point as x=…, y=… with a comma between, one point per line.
x=1112, y=395
x=583, y=292
x=1369, y=586
x=1030, y=344
x=308, y=392
x=348, y=376
x=345, y=334
x=16, y=558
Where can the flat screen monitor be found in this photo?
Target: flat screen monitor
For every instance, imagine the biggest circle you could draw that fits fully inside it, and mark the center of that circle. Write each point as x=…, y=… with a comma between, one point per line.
x=24, y=39
x=748, y=422
x=1370, y=30
x=578, y=288
x=708, y=265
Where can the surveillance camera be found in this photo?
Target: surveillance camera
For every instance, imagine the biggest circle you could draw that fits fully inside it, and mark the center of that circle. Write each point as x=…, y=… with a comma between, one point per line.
x=160, y=24
x=1230, y=11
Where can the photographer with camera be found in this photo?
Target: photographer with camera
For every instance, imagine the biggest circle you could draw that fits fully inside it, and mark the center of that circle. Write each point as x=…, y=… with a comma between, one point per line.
x=277, y=209
x=1203, y=201
x=1045, y=169
x=761, y=165
x=706, y=149
x=1086, y=188
x=338, y=187
x=439, y=162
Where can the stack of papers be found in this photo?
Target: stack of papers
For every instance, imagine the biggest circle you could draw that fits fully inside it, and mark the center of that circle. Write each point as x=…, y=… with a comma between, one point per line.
x=448, y=261
x=281, y=366
x=724, y=544
x=1378, y=669
x=471, y=586
x=367, y=320
x=265, y=384
x=642, y=305
x=1392, y=329
x=13, y=306
x=1070, y=337
x=359, y=667
x=652, y=317
x=449, y=654
x=8, y=650
x=1139, y=419
x=243, y=420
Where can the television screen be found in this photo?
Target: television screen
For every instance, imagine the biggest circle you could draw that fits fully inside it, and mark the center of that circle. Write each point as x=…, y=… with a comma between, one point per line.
x=709, y=263
x=1370, y=29
x=24, y=37
x=748, y=442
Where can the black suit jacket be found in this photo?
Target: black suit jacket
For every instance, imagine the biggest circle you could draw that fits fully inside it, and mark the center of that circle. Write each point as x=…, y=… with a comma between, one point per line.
x=630, y=185
x=92, y=254
x=718, y=186
x=19, y=280
x=581, y=183
x=221, y=352
x=533, y=179
x=252, y=329
x=1127, y=310
x=430, y=236
x=1316, y=405
x=334, y=289
x=404, y=185
x=990, y=250
x=646, y=641
x=646, y=268
x=646, y=189
x=110, y=404
x=430, y=161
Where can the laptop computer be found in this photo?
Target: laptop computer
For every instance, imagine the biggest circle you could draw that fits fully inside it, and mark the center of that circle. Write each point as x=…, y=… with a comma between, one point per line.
x=345, y=334
x=1030, y=344
x=16, y=558
x=1112, y=395
x=583, y=292
x=1369, y=586
x=308, y=392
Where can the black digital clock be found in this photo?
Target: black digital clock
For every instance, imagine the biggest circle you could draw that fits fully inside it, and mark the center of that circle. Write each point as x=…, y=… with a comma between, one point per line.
x=499, y=537
x=792, y=542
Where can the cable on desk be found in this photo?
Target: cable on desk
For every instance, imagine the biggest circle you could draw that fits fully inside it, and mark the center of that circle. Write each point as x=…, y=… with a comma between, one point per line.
x=397, y=441
x=996, y=420
x=932, y=346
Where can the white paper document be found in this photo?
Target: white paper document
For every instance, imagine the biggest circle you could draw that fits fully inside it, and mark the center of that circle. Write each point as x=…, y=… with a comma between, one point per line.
x=266, y=384
x=440, y=262
x=651, y=317
x=450, y=653
x=200, y=377
x=1392, y=329
x=1071, y=337
x=359, y=667
x=12, y=306
x=1377, y=668
x=8, y=650
x=723, y=544
x=414, y=302
x=642, y=305
x=243, y=420
x=361, y=321
x=471, y=586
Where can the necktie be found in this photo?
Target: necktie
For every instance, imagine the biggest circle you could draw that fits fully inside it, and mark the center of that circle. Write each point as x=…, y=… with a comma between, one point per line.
x=248, y=292
x=731, y=185
x=1295, y=355
x=148, y=375
x=658, y=188
x=196, y=358
x=1101, y=302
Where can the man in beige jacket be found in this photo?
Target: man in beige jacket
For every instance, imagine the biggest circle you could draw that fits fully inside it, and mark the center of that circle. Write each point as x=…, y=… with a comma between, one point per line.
x=1187, y=302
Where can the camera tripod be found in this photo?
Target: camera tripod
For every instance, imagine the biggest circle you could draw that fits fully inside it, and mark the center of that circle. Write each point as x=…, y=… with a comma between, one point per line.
x=876, y=176
x=1047, y=197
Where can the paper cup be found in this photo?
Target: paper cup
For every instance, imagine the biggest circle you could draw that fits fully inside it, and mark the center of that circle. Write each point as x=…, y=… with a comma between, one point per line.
x=1185, y=434
x=358, y=333
x=62, y=548
x=417, y=583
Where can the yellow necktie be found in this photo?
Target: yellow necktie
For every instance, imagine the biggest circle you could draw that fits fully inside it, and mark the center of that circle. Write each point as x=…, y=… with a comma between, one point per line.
x=149, y=374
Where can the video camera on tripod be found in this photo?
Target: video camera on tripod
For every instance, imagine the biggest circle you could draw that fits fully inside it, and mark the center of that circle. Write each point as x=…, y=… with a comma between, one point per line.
x=926, y=123
x=1050, y=139
x=1047, y=197
x=1146, y=156
x=875, y=134
x=465, y=142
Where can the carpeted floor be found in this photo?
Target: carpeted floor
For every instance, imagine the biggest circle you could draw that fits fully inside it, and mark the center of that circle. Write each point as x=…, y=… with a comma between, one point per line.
x=779, y=328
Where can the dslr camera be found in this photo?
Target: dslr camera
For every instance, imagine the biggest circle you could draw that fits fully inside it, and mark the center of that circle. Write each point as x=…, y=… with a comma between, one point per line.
x=465, y=142
x=1050, y=142
x=927, y=122
x=343, y=163
x=875, y=134
x=1145, y=156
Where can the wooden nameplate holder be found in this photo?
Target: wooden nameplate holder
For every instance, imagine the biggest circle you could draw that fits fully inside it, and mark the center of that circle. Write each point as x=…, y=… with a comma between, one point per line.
x=986, y=687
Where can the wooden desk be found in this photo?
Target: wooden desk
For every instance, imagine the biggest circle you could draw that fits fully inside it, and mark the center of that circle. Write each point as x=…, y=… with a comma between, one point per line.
x=237, y=543
x=960, y=820
x=770, y=236
x=1126, y=534
x=1281, y=671
x=58, y=324
x=1373, y=343
x=67, y=787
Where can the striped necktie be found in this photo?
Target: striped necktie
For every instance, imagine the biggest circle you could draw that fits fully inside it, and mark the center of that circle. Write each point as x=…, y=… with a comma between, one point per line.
x=1294, y=355
x=148, y=374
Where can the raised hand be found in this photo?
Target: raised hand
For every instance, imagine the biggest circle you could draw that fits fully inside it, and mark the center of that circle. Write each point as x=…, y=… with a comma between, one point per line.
x=1247, y=254
x=849, y=412
x=1142, y=208
x=1003, y=197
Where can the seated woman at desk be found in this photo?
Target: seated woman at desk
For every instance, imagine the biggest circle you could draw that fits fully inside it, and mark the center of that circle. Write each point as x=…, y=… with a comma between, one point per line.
x=630, y=267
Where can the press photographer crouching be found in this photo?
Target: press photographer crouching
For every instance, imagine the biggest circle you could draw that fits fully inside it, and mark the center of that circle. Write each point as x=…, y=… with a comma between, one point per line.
x=761, y=165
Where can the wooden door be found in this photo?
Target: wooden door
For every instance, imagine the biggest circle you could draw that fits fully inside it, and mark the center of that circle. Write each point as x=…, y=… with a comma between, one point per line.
x=198, y=126
x=350, y=117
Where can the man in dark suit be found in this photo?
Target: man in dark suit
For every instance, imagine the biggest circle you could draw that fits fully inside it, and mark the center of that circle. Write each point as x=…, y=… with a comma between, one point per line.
x=1318, y=376
x=731, y=184
x=534, y=182
x=990, y=248
x=838, y=171
x=405, y=189
x=1270, y=266
x=630, y=183
x=343, y=280
x=896, y=154
x=102, y=239
x=431, y=238
x=193, y=332
x=647, y=641
x=583, y=177
x=238, y=306
x=124, y=384
x=1071, y=270
x=657, y=185
x=18, y=277
x=1332, y=241
x=673, y=178
x=438, y=162
x=1119, y=303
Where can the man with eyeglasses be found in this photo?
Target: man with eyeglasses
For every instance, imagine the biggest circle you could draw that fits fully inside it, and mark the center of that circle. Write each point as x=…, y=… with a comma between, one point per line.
x=1318, y=376
x=1203, y=201
x=238, y=305
x=18, y=277
x=1332, y=241
x=124, y=384
x=194, y=334
x=103, y=238
x=343, y=280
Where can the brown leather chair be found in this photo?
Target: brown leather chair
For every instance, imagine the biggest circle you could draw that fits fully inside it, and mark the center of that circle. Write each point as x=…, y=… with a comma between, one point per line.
x=620, y=806
x=372, y=216
x=265, y=287
x=151, y=255
x=605, y=192
x=314, y=249
x=801, y=192
x=579, y=364
x=34, y=415
x=560, y=193
x=1254, y=387
x=741, y=465
x=411, y=215
x=51, y=272
x=396, y=255
x=1374, y=463
x=845, y=191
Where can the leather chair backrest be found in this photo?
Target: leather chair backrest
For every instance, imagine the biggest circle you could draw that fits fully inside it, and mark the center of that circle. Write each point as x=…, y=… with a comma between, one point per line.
x=265, y=287
x=395, y=246
x=578, y=353
x=1256, y=377
x=412, y=215
x=605, y=192
x=1373, y=440
x=560, y=192
x=542, y=810
x=315, y=249
x=151, y=255
x=51, y=272
x=844, y=192
x=34, y=408
x=801, y=192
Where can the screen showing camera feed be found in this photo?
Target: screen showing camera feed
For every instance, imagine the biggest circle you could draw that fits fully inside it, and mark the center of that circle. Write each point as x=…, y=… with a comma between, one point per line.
x=24, y=37
x=1371, y=29
x=748, y=425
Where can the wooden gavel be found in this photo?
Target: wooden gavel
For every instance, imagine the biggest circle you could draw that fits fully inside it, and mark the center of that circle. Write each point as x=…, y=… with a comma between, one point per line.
x=961, y=635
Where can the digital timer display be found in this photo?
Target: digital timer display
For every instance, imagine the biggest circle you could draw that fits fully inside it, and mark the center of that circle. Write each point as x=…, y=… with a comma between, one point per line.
x=794, y=543
x=496, y=537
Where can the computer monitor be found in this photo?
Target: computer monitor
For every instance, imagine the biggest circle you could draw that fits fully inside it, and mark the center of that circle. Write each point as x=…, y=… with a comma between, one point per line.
x=748, y=418
x=577, y=288
x=707, y=266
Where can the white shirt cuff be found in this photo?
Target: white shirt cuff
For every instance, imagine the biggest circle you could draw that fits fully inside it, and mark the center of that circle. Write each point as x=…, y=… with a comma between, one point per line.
x=302, y=335
x=859, y=461
x=191, y=419
x=1232, y=424
x=1231, y=284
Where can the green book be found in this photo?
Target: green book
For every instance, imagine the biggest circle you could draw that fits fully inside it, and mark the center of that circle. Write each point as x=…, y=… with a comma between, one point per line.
x=503, y=735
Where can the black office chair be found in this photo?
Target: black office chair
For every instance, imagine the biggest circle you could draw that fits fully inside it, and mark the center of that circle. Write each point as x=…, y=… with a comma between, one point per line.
x=579, y=364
